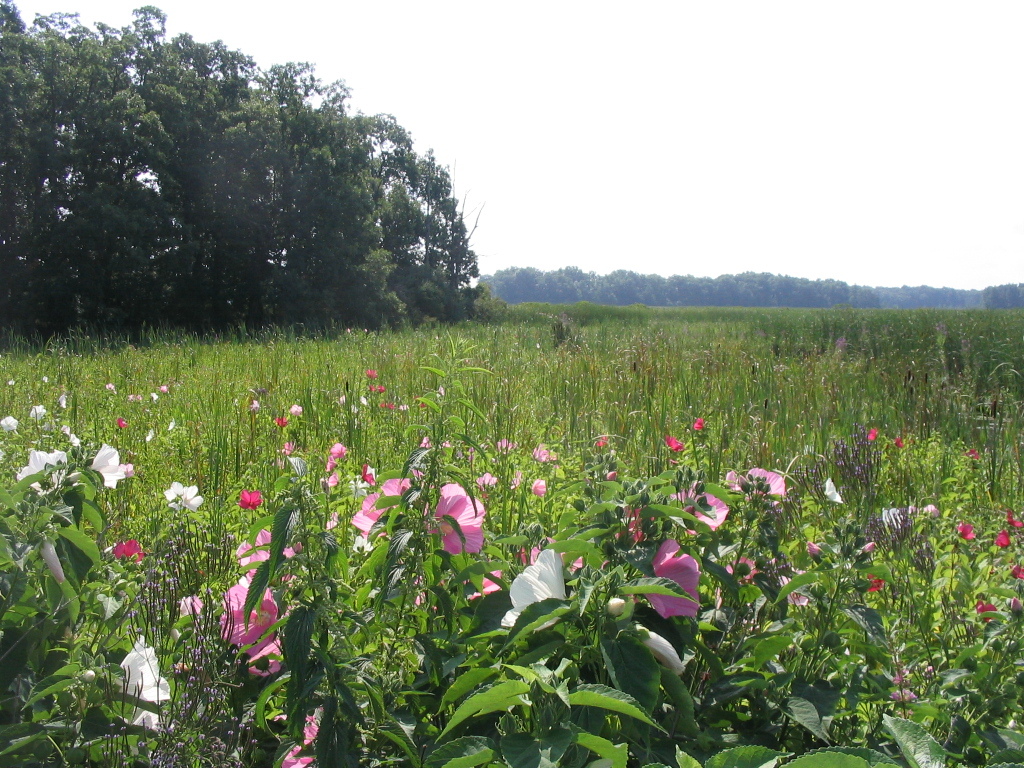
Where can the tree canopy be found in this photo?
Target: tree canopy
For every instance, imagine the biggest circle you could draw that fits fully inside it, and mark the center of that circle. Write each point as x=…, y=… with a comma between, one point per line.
x=147, y=180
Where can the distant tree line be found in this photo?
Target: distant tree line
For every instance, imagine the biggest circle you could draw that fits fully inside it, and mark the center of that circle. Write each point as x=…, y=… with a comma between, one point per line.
x=748, y=289
x=150, y=181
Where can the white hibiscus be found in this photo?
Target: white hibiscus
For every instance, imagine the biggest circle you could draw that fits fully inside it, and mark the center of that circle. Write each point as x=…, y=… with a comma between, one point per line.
x=9, y=423
x=178, y=496
x=537, y=582
x=108, y=463
x=143, y=681
x=38, y=461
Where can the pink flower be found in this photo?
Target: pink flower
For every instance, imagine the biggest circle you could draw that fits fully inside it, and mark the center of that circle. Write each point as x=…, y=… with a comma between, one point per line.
x=540, y=487
x=331, y=464
x=128, y=550
x=872, y=434
x=813, y=549
x=389, y=406
x=261, y=552
x=973, y=454
x=794, y=597
x=486, y=480
x=932, y=510
x=505, y=446
x=601, y=442
x=681, y=569
x=111, y=387
x=903, y=694
x=488, y=586
x=673, y=444
x=369, y=475
x=966, y=531
x=281, y=421
x=698, y=424
x=371, y=374
x=368, y=515
x=250, y=499
x=744, y=570
x=292, y=759
x=190, y=605
x=121, y=423
x=469, y=514
x=128, y=469
x=1003, y=539
x=517, y=479
x=719, y=509
x=254, y=406
x=248, y=635
x=542, y=454
x=164, y=389
x=288, y=449
x=1017, y=571
x=898, y=442
x=776, y=482
x=338, y=451
x=612, y=476
x=295, y=410
x=983, y=607
x=1011, y=520
x=869, y=547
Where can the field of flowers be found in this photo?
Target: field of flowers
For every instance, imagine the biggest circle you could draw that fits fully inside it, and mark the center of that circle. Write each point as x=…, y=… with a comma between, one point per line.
x=579, y=537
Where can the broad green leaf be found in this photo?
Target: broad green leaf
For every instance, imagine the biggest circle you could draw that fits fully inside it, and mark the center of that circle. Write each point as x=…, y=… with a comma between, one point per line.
x=633, y=668
x=871, y=756
x=83, y=543
x=769, y=648
x=684, y=760
x=745, y=757
x=497, y=698
x=654, y=586
x=870, y=621
x=466, y=682
x=803, y=712
x=617, y=753
x=822, y=760
x=464, y=752
x=523, y=750
x=800, y=580
x=603, y=697
x=917, y=745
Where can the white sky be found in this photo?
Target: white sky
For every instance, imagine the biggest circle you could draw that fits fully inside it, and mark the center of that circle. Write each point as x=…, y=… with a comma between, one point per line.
x=876, y=142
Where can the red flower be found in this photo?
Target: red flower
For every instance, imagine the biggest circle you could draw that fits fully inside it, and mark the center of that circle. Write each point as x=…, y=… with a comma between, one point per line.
x=673, y=444
x=371, y=374
x=966, y=531
x=128, y=550
x=973, y=454
x=1011, y=520
x=601, y=442
x=898, y=442
x=876, y=583
x=698, y=424
x=368, y=476
x=389, y=406
x=872, y=434
x=983, y=607
x=250, y=499
x=281, y=421
x=1017, y=571
x=1003, y=539
x=121, y=423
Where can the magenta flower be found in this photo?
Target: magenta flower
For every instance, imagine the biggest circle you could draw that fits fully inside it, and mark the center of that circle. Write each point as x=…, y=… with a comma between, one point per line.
x=250, y=499
x=684, y=571
x=371, y=374
x=984, y=607
x=719, y=509
x=370, y=475
x=249, y=635
x=1011, y=520
x=966, y=531
x=776, y=482
x=1003, y=539
x=338, y=451
x=367, y=517
x=872, y=434
x=542, y=454
x=1017, y=571
x=698, y=424
x=261, y=552
x=128, y=550
x=540, y=487
x=673, y=444
x=468, y=513
x=121, y=423
x=506, y=446
x=281, y=421
x=898, y=442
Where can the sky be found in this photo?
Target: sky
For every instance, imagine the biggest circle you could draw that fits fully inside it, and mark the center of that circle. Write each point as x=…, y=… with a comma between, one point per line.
x=878, y=143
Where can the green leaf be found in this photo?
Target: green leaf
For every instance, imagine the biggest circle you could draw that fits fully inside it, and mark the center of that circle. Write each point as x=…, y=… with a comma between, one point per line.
x=916, y=744
x=745, y=757
x=522, y=750
x=654, y=586
x=822, y=760
x=466, y=682
x=617, y=753
x=83, y=543
x=870, y=621
x=803, y=712
x=603, y=697
x=871, y=756
x=684, y=760
x=633, y=668
x=496, y=698
x=257, y=587
x=769, y=648
x=284, y=522
x=801, y=580
x=465, y=752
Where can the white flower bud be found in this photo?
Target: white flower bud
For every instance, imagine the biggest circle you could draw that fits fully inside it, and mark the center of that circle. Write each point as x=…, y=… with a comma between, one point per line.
x=616, y=606
x=49, y=555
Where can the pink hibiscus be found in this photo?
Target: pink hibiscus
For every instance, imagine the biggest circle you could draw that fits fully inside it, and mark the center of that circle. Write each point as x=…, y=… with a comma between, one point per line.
x=673, y=444
x=776, y=482
x=368, y=516
x=485, y=481
x=1003, y=539
x=872, y=434
x=292, y=759
x=250, y=499
x=261, y=551
x=338, y=451
x=488, y=586
x=249, y=636
x=540, y=487
x=684, y=571
x=719, y=509
x=469, y=514
x=698, y=424
x=966, y=531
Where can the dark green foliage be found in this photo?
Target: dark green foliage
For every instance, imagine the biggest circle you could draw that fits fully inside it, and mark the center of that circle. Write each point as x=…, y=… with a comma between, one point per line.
x=147, y=181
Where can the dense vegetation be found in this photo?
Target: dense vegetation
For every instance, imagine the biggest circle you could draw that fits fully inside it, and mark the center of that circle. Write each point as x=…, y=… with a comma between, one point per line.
x=147, y=181
x=749, y=289
x=509, y=545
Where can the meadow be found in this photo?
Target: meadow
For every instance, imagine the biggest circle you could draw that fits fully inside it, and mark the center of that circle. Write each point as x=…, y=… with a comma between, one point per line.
x=576, y=536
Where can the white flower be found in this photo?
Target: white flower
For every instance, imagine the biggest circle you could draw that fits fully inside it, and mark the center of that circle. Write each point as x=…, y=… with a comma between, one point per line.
x=108, y=463
x=361, y=544
x=171, y=426
x=62, y=401
x=150, y=435
x=46, y=379
x=831, y=493
x=36, y=412
x=72, y=437
x=154, y=396
x=38, y=461
x=9, y=423
x=49, y=555
x=893, y=517
x=537, y=582
x=188, y=496
x=663, y=651
x=142, y=679
x=10, y=383
x=358, y=488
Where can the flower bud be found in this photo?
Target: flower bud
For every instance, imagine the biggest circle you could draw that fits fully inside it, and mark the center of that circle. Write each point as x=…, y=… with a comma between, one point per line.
x=613, y=475
x=49, y=555
x=663, y=651
x=616, y=606
x=89, y=675
x=869, y=547
x=1016, y=607
x=813, y=549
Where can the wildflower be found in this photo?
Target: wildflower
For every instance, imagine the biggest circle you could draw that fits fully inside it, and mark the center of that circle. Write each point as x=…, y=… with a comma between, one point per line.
x=542, y=454
x=831, y=493
x=121, y=423
x=601, y=442
x=612, y=476
x=172, y=425
x=369, y=475
x=150, y=435
x=38, y=461
x=876, y=583
x=506, y=446
x=258, y=550
x=983, y=607
x=1017, y=571
x=371, y=374
x=673, y=444
x=37, y=412
x=281, y=421
x=62, y=401
x=485, y=481
x=142, y=679
x=129, y=469
x=128, y=550
x=698, y=425
x=872, y=434
x=869, y=547
x=537, y=582
x=932, y=510
x=49, y=554
x=662, y=650
x=966, y=531
x=250, y=499
x=134, y=398
x=179, y=496
x=338, y=451
x=540, y=487
x=389, y=406
x=813, y=549
x=331, y=465
x=111, y=387
x=357, y=487
x=517, y=479
x=333, y=480
x=1011, y=520
x=191, y=605
x=776, y=483
x=794, y=597
x=164, y=389
x=309, y=733
x=108, y=463
x=154, y=396
x=9, y=423
x=973, y=454
x=247, y=632
x=72, y=437
x=903, y=694
x=684, y=571
x=254, y=406
x=488, y=586
x=368, y=515
x=288, y=449
x=719, y=509
x=1003, y=539
x=295, y=410
x=468, y=513
x=1016, y=607
x=898, y=442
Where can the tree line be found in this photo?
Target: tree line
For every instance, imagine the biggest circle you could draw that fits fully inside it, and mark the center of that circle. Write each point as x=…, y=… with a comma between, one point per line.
x=155, y=181
x=748, y=289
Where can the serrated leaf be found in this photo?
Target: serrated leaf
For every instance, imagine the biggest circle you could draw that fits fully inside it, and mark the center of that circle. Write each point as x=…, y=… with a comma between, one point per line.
x=80, y=541
x=871, y=756
x=617, y=753
x=633, y=668
x=523, y=750
x=614, y=700
x=745, y=757
x=464, y=752
x=833, y=760
x=496, y=698
x=917, y=745
x=654, y=586
x=870, y=621
x=298, y=465
x=257, y=587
